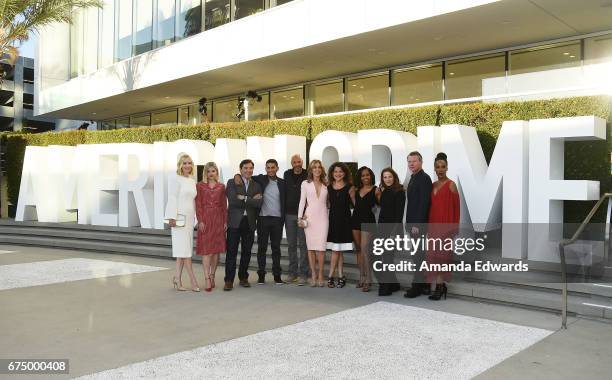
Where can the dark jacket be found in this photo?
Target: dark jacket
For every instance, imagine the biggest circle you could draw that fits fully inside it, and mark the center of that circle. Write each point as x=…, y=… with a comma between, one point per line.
x=418, y=197
x=263, y=180
x=236, y=207
x=294, y=189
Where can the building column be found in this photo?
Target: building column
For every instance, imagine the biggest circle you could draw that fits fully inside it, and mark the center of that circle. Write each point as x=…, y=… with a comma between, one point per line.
x=18, y=95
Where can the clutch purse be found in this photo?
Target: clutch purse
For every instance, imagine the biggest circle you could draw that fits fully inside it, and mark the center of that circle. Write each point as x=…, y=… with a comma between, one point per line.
x=180, y=220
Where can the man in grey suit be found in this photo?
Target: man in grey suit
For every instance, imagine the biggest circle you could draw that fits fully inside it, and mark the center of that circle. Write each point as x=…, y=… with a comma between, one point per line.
x=244, y=202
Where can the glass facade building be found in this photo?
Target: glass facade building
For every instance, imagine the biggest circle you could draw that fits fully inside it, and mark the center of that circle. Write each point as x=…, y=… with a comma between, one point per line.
x=522, y=72
x=126, y=28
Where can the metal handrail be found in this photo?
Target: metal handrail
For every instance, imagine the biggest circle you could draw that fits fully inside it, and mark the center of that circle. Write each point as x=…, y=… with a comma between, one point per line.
x=565, y=242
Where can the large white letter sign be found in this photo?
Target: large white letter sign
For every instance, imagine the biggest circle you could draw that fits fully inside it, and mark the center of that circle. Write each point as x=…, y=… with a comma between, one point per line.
x=286, y=146
x=31, y=204
x=228, y=154
x=332, y=146
x=259, y=149
x=482, y=186
x=105, y=184
x=135, y=178
x=429, y=146
x=380, y=148
x=547, y=188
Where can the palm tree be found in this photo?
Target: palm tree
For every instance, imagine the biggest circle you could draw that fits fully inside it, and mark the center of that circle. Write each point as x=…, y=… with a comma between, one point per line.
x=19, y=18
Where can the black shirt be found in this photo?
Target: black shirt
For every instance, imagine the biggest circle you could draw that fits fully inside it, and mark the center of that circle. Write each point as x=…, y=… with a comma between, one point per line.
x=293, y=182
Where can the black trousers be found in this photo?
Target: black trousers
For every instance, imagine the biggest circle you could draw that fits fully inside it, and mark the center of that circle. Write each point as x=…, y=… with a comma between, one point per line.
x=234, y=237
x=419, y=256
x=269, y=227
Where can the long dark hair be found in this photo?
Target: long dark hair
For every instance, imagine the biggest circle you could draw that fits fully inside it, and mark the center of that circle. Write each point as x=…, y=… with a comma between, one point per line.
x=347, y=173
x=396, y=186
x=359, y=172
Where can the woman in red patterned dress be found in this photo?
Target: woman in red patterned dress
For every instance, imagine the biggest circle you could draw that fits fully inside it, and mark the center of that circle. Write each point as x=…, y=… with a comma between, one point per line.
x=443, y=224
x=211, y=211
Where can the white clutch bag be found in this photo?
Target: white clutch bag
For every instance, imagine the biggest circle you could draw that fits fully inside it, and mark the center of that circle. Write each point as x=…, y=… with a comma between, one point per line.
x=180, y=220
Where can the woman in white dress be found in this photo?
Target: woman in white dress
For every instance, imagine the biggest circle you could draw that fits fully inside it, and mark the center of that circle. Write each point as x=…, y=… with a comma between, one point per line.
x=181, y=208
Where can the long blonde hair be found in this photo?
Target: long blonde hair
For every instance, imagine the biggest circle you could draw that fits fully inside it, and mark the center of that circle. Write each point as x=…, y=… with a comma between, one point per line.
x=322, y=177
x=180, y=163
x=210, y=165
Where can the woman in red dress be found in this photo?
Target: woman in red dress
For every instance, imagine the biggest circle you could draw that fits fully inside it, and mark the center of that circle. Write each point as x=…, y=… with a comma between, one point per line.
x=211, y=211
x=443, y=224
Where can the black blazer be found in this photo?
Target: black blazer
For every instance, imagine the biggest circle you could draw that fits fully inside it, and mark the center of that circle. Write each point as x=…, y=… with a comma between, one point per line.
x=236, y=207
x=263, y=180
x=418, y=197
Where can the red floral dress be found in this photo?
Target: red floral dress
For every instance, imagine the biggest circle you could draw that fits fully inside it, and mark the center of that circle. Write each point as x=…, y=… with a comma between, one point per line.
x=211, y=209
x=443, y=223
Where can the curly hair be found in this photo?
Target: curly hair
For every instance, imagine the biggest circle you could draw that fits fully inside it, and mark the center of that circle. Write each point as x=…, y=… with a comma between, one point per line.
x=347, y=173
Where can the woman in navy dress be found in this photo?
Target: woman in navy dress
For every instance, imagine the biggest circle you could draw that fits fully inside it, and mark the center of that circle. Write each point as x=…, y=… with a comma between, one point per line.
x=392, y=200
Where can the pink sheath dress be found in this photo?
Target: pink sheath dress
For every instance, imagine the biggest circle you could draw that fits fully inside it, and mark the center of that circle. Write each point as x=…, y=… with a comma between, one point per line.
x=315, y=209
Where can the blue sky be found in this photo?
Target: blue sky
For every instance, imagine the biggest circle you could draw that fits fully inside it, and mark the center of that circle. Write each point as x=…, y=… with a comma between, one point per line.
x=28, y=49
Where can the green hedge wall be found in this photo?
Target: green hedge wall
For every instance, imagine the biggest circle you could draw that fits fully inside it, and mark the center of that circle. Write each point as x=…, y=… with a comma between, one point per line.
x=583, y=160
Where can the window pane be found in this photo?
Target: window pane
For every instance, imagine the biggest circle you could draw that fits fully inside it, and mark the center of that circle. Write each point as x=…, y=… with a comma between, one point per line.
x=124, y=38
x=90, y=41
x=140, y=120
x=246, y=8
x=123, y=123
x=260, y=110
x=76, y=44
x=217, y=12
x=196, y=117
x=370, y=92
x=165, y=22
x=598, y=61
x=547, y=68
x=225, y=110
x=289, y=103
x=598, y=49
x=417, y=85
x=143, y=31
x=328, y=98
x=106, y=125
x=476, y=77
x=184, y=116
x=107, y=34
x=164, y=118
x=189, y=18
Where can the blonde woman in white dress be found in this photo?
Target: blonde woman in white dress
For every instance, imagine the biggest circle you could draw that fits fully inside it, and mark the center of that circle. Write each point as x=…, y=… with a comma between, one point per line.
x=181, y=206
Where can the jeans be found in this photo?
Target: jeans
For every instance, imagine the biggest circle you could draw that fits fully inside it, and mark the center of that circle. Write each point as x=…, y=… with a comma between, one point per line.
x=234, y=237
x=295, y=239
x=269, y=227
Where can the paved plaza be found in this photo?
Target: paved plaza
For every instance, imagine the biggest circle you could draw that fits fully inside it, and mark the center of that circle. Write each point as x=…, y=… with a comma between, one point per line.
x=116, y=316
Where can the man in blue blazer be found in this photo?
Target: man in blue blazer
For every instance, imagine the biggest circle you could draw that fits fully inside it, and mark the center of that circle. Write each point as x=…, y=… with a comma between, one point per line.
x=418, y=197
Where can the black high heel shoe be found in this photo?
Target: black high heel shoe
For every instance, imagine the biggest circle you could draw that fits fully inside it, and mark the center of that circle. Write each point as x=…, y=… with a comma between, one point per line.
x=440, y=291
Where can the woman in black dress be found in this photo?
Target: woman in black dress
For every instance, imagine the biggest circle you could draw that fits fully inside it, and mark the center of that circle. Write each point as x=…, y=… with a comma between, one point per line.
x=392, y=199
x=362, y=220
x=339, y=236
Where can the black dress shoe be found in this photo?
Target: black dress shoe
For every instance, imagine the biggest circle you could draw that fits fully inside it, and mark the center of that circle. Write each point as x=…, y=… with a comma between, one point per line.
x=394, y=287
x=413, y=292
x=384, y=290
x=426, y=289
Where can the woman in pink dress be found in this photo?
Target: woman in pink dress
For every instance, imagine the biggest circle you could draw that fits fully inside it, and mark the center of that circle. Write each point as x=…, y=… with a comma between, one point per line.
x=313, y=217
x=211, y=211
x=443, y=224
